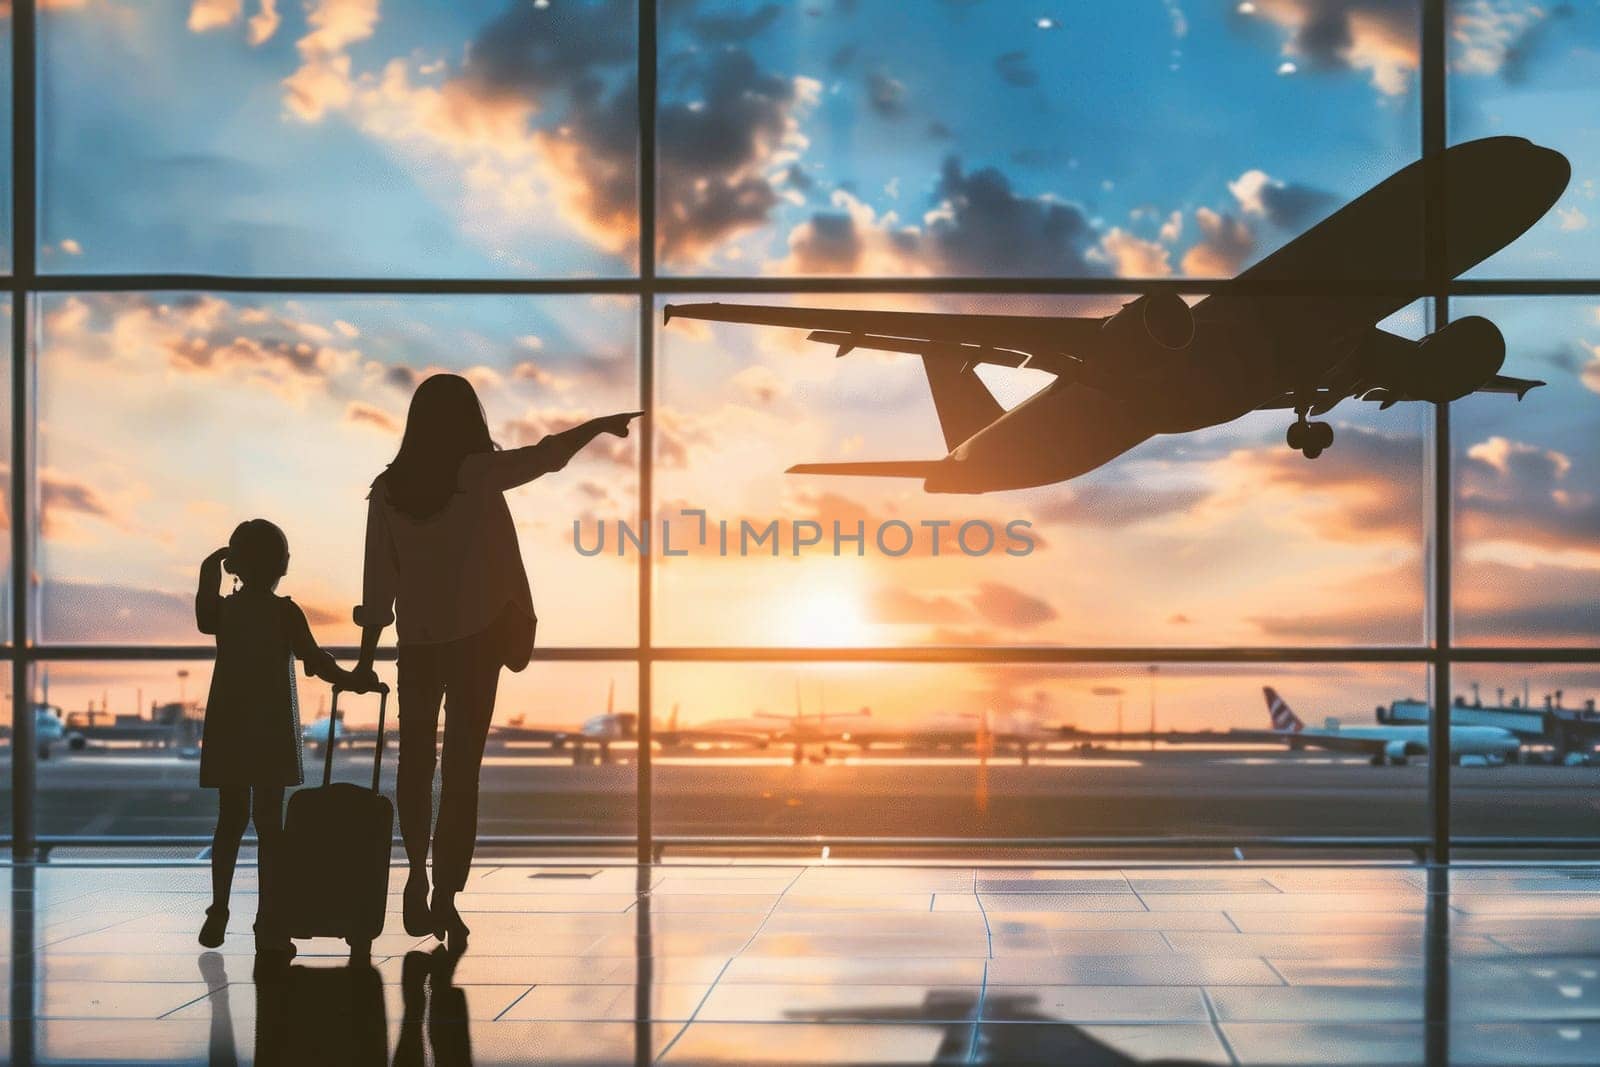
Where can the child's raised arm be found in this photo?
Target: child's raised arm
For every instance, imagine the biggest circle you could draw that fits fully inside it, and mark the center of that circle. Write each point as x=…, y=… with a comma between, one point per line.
x=207, y=595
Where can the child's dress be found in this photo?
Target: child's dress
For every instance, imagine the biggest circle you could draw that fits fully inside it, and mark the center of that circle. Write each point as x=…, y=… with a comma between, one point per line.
x=252, y=724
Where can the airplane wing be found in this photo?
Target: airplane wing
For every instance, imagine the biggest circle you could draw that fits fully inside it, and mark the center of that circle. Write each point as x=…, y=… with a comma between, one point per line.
x=533, y=733
x=1043, y=341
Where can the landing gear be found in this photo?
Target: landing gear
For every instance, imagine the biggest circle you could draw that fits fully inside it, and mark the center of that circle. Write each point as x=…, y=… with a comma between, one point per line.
x=1309, y=438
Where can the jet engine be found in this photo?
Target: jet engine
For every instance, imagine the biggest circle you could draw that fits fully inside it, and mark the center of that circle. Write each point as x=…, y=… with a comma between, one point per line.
x=1154, y=324
x=1394, y=753
x=1451, y=363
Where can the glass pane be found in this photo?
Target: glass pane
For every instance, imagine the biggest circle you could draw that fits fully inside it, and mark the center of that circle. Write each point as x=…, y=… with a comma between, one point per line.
x=1527, y=561
x=167, y=418
x=1111, y=750
x=466, y=139
x=1525, y=68
x=1219, y=537
x=980, y=139
x=1551, y=710
x=127, y=761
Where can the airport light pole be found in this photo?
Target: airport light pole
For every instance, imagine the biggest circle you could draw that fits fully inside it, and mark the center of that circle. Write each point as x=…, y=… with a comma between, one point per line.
x=1154, y=669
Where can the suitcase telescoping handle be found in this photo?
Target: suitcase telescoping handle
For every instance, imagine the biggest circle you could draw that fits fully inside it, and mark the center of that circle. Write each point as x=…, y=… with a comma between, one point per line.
x=333, y=725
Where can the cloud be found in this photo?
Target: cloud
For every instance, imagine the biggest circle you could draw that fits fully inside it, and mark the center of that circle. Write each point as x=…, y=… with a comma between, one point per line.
x=1290, y=207
x=363, y=414
x=1518, y=492
x=1367, y=487
x=828, y=243
x=59, y=493
x=1131, y=256
x=1376, y=608
x=981, y=225
x=207, y=15
x=1590, y=374
x=1499, y=603
x=78, y=612
x=724, y=27
x=886, y=96
x=853, y=239
x=322, y=82
x=1380, y=37
x=1226, y=242
x=528, y=370
x=542, y=110
x=1016, y=69
x=64, y=499
x=761, y=384
x=895, y=604
x=1116, y=506
x=1362, y=625
x=264, y=23
x=1572, y=219
x=198, y=334
x=1004, y=605
x=721, y=160
x=1501, y=36
x=213, y=14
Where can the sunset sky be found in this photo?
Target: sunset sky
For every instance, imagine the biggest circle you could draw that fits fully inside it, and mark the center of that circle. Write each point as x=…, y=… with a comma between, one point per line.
x=360, y=137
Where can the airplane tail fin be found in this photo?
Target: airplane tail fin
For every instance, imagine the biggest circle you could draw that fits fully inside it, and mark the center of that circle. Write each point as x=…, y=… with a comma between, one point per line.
x=1284, y=720
x=963, y=402
x=893, y=468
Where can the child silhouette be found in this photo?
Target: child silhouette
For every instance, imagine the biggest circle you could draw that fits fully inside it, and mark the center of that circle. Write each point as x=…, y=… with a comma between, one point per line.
x=251, y=744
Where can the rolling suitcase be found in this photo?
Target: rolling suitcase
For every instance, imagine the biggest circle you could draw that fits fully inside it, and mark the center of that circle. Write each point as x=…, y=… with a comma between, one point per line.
x=337, y=842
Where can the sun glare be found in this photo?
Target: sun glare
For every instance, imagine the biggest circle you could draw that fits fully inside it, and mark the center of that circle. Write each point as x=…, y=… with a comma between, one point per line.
x=827, y=615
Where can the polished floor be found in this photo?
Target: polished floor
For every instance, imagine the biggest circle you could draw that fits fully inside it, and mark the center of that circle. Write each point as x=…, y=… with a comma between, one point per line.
x=748, y=962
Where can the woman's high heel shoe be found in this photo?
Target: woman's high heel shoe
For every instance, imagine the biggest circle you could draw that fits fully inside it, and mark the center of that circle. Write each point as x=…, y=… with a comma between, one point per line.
x=414, y=913
x=215, y=927
x=448, y=926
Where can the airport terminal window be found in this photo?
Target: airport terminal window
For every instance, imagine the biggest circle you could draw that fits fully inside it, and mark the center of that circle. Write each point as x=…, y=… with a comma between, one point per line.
x=997, y=750
x=1527, y=483
x=1029, y=147
x=1548, y=794
x=250, y=228
x=1520, y=67
x=289, y=407
x=1202, y=539
x=137, y=725
x=411, y=139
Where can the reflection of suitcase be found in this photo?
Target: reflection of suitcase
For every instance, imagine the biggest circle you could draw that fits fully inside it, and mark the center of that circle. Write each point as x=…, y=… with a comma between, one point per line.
x=316, y=1016
x=337, y=841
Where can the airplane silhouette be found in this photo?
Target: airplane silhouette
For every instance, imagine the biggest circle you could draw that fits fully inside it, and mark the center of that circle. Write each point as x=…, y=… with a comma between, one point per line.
x=1267, y=340
x=1016, y=1029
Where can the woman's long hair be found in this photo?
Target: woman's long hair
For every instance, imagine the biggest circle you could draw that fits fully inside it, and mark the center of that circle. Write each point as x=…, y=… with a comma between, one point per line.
x=444, y=426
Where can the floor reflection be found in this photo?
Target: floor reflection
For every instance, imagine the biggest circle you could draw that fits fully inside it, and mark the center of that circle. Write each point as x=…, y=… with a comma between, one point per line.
x=764, y=963
x=304, y=1015
x=1002, y=1036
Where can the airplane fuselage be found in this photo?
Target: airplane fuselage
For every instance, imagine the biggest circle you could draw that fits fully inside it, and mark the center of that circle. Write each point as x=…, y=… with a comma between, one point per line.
x=1400, y=741
x=1251, y=344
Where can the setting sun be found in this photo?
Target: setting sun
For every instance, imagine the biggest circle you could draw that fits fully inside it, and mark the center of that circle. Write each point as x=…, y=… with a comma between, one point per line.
x=829, y=614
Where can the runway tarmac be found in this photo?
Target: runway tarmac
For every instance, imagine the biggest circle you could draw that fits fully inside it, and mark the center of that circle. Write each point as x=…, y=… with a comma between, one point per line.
x=1165, y=792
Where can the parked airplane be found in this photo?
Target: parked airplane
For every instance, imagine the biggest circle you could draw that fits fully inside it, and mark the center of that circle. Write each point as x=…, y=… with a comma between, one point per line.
x=599, y=731
x=1386, y=744
x=1297, y=331
x=982, y=732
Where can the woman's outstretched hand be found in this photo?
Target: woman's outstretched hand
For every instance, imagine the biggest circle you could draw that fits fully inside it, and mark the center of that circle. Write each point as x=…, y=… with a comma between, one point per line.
x=617, y=424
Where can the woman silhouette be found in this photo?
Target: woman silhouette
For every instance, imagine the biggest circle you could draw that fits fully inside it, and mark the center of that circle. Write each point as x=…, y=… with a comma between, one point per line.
x=442, y=554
